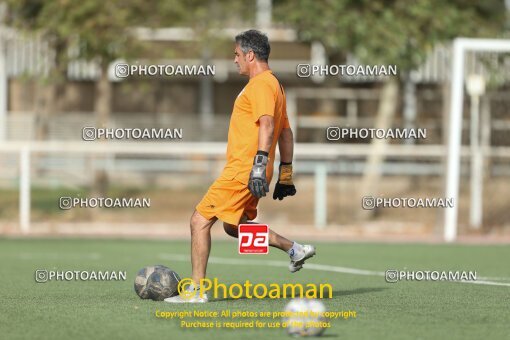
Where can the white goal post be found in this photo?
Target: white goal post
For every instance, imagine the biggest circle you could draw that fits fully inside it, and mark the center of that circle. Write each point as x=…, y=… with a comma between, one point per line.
x=460, y=47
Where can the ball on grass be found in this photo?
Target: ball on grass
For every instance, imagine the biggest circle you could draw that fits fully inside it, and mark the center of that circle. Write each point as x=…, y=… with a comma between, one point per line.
x=156, y=282
x=305, y=317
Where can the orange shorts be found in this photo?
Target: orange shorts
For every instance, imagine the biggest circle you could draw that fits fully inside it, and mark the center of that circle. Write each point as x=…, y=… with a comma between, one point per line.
x=228, y=200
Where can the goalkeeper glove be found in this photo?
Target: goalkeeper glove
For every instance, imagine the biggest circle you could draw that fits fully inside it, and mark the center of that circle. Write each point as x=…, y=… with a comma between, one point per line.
x=257, y=184
x=284, y=187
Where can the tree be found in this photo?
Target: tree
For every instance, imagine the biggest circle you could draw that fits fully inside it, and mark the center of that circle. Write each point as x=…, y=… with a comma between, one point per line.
x=387, y=32
x=95, y=30
x=103, y=31
x=391, y=31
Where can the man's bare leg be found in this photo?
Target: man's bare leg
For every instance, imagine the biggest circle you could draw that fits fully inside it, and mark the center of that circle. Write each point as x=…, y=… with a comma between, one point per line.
x=298, y=253
x=275, y=240
x=200, y=245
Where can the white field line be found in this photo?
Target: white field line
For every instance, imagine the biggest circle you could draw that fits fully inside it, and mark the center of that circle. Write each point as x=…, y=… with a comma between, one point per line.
x=312, y=266
x=57, y=256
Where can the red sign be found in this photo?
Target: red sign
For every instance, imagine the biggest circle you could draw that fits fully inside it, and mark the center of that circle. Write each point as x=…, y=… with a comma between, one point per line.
x=253, y=239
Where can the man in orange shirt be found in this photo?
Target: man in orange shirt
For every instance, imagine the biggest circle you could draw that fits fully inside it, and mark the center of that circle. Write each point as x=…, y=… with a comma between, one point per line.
x=258, y=123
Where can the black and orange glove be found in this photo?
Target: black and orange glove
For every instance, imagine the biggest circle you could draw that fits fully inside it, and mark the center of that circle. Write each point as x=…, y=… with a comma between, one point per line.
x=284, y=187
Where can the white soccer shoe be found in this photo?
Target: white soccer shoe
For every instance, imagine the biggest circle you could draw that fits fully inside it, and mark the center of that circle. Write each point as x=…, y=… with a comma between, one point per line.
x=192, y=299
x=297, y=263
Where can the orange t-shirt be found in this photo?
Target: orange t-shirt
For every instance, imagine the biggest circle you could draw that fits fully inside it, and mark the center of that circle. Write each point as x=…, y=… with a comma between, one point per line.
x=263, y=95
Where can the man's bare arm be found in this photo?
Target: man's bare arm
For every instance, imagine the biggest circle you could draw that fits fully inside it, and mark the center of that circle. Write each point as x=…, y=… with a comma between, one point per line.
x=257, y=184
x=266, y=131
x=286, y=145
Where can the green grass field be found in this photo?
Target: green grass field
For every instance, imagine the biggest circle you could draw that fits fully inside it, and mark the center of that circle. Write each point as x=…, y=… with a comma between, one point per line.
x=111, y=310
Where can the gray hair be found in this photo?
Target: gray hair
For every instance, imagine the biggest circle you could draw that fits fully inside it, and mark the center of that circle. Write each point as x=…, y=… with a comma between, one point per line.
x=256, y=41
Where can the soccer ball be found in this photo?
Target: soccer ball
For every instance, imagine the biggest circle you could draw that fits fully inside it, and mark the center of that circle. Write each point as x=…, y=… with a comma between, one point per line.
x=141, y=281
x=305, y=317
x=163, y=284
x=156, y=282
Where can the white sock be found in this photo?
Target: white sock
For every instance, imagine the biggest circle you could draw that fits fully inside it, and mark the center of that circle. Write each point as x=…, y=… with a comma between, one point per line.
x=295, y=250
x=192, y=287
